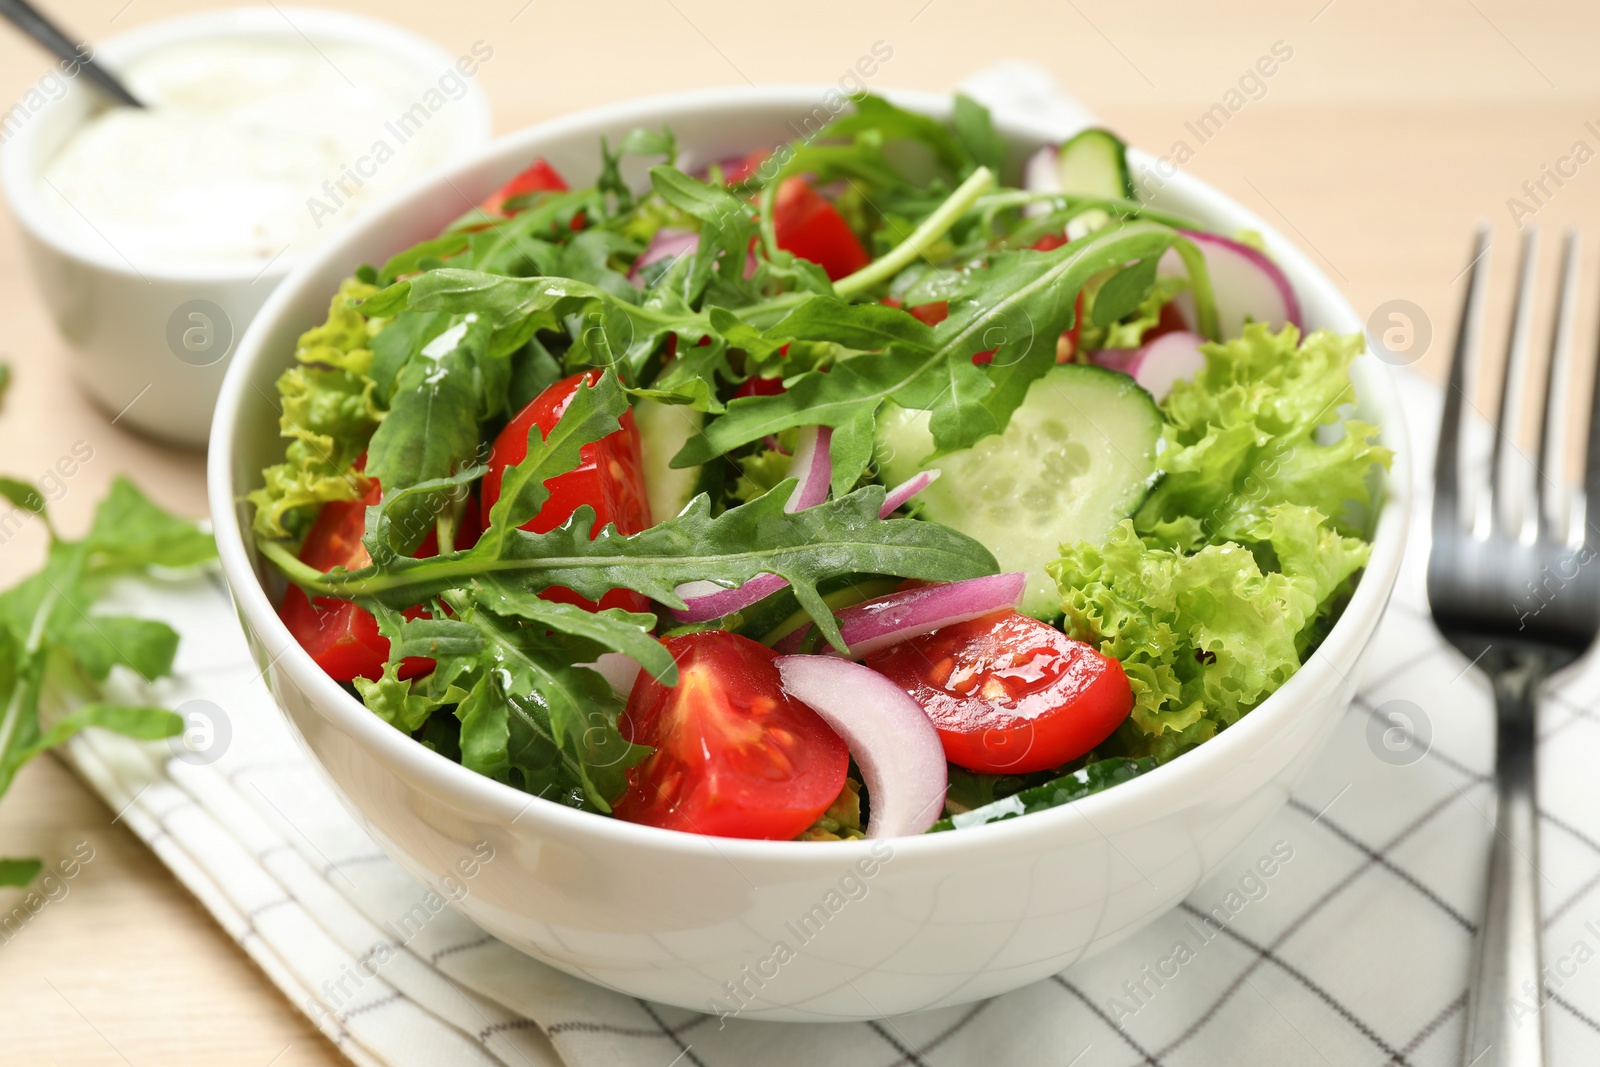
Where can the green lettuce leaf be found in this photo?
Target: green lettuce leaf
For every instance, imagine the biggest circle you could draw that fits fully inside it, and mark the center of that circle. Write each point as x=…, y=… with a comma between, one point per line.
x=330, y=411
x=1203, y=637
x=1251, y=431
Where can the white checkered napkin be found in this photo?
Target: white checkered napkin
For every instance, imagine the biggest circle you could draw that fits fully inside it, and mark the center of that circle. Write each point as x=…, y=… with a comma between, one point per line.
x=1339, y=934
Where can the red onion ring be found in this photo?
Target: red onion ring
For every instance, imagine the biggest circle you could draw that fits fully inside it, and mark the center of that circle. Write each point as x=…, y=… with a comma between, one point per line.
x=667, y=243
x=813, y=466
x=704, y=601
x=888, y=620
x=892, y=739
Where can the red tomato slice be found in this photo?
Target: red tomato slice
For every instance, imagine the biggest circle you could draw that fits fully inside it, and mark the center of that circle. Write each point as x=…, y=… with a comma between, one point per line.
x=1067, y=343
x=809, y=226
x=342, y=637
x=609, y=478
x=1170, y=321
x=540, y=177
x=759, y=387
x=735, y=756
x=1009, y=694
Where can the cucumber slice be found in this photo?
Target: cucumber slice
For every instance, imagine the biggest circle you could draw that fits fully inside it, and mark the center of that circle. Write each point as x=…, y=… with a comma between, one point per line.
x=663, y=431
x=1077, y=458
x=1095, y=163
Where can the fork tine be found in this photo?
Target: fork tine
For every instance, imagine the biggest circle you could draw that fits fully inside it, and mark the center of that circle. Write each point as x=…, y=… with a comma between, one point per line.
x=1591, y=467
x=1447, y=458
x=1509, y=491
x=1551, y=511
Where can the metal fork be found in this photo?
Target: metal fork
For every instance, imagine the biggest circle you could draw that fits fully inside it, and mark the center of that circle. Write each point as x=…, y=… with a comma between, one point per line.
x=1514, y=587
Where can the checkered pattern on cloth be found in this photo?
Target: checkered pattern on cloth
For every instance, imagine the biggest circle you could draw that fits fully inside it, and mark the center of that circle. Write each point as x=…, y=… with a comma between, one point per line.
x=1339, y=934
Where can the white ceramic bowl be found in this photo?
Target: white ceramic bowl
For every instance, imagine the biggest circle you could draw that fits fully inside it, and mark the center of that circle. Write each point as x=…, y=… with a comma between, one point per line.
x=115, y=312
x=841, y=931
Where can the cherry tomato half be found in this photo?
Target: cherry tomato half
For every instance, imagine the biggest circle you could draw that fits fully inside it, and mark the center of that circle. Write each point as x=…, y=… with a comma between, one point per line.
x=609, y=478
x=1010, y=694
x=540, y=177
x=806, y=224
x=735, y=756
x=342, y=637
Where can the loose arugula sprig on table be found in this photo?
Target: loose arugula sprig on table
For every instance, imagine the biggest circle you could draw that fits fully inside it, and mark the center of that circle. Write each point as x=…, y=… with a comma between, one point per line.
x=423, y=359
x=52, y=642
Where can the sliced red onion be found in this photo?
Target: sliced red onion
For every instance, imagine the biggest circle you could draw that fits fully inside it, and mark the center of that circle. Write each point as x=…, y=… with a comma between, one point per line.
x=876, y=624
x=813, y=465
x=1246, y=284
x=896, y=498
x=1170, y=358
x=668, y=243
x=704, y=601
x=892, y=739
x=889, y=620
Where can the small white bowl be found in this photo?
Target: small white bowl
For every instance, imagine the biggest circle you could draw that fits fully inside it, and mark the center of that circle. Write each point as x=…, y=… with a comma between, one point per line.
x=826, y=932
x=119, y=316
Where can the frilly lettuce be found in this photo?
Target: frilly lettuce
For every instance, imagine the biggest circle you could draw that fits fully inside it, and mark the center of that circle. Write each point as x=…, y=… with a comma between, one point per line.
x=1215, y=591
x=1252, y=430
x=329, y=414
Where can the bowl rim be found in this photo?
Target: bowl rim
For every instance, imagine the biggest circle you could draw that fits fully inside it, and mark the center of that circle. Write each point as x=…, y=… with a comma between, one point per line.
x=1167, y=787
x=20, y=162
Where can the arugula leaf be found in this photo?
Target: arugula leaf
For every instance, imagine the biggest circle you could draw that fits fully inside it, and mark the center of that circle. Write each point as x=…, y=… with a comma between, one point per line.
x=431, y=432
x=727, y=226
x=1016, y=307
x=880, y=120
x=140, y=723
x=613, y=628
x=975, y=130
x=620, y=333
x=835, y=537
x=49, y=638
x=593, y=413
x=103, y=641
x=24, y=495
x=534, y=713
x=19, y=872
x=131, y=533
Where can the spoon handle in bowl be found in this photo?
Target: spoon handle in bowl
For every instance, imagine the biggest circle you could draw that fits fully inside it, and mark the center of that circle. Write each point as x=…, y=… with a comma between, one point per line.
x=31, y=22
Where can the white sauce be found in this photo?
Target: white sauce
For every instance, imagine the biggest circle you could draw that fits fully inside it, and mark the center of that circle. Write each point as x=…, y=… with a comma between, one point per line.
x=251, y=149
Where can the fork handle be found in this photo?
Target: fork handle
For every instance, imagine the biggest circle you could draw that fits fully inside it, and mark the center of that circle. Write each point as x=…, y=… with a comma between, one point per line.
x=1505, y=1017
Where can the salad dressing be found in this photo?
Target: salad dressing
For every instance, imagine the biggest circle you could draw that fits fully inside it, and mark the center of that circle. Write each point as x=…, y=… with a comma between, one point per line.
x=249, y=149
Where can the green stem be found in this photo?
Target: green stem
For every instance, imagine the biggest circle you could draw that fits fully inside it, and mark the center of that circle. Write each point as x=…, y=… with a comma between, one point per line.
x=769, y=229
x=1205, y=302
x=301, y=574
x=922, y=238
x=1075, y=204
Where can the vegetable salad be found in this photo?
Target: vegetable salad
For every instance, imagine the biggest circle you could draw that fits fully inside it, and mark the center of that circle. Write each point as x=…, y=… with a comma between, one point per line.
x=837, y=489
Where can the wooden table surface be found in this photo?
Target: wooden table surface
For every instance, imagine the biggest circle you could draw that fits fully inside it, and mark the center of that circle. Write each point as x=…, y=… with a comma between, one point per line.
x=1389, y=130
